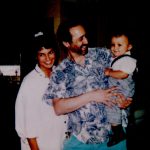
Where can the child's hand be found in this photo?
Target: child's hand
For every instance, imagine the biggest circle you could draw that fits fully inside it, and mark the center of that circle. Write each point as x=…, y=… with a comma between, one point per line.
x=107, y=71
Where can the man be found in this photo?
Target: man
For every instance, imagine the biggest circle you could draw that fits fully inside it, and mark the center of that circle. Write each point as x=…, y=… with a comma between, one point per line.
x=78, y=88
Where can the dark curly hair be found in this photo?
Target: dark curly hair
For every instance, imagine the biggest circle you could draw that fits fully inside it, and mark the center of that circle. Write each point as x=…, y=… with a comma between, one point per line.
x=63, y=34
x=42, y=39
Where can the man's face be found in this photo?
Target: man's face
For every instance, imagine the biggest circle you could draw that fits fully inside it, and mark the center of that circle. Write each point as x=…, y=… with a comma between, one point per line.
x=79, y=42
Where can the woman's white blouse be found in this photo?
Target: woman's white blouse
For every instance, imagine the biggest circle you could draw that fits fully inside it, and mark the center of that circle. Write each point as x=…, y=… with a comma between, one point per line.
x=34, y=118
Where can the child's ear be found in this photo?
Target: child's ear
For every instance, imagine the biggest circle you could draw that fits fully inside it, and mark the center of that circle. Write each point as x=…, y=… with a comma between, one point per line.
x=66, y=44
x=130, y=47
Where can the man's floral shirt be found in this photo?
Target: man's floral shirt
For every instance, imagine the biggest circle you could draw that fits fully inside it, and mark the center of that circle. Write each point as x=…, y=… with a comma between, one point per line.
x=89, y=123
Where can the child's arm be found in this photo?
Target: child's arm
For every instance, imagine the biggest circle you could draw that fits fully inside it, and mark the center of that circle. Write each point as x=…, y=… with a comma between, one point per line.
x=115, y=73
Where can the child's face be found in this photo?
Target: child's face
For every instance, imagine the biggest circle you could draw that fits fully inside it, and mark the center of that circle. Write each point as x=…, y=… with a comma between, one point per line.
x=120, y=45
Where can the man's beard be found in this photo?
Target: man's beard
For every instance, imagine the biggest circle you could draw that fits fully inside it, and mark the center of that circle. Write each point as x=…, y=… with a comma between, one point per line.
x=83, y=50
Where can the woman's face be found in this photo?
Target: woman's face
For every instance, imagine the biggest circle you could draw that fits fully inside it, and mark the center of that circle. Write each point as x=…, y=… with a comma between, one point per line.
x=46, y=58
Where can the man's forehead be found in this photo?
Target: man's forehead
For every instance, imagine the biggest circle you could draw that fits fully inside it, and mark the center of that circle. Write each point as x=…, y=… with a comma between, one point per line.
x=77, y=31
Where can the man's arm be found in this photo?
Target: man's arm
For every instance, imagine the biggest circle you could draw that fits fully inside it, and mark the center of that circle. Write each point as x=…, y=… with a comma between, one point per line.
x=66, y=105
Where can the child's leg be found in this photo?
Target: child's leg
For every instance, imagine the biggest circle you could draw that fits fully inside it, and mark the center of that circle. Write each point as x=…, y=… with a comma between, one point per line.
x=117, y=135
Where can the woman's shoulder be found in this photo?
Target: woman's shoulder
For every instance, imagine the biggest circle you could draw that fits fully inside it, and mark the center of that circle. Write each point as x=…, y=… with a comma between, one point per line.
x=29, y=78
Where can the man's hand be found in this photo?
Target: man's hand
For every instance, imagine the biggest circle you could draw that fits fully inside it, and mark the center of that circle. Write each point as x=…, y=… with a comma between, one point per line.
x=122, y=101
x=103, y=96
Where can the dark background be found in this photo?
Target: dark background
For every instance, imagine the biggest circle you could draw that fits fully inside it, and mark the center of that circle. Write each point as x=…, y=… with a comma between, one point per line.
x=19, y=20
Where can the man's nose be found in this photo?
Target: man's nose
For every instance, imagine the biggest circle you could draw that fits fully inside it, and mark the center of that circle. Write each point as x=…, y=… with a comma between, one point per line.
x=85, y=40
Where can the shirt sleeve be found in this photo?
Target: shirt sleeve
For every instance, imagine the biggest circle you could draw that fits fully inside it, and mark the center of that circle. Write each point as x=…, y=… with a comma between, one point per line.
x=56, y=87
x=103, y=56
x=26, y=108
x=125, y=64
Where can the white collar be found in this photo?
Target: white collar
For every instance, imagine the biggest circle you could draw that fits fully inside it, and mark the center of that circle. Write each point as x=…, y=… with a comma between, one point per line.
x=38, y=70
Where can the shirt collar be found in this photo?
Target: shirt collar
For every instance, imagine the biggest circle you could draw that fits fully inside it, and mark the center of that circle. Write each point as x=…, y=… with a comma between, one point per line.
x=39, y=71
x=128, y=52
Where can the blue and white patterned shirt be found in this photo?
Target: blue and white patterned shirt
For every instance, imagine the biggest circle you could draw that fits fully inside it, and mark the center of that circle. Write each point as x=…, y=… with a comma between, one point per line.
x=89, y=123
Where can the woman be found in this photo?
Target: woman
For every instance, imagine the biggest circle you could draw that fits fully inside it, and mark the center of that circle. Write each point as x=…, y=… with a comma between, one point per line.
x=36, y=123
